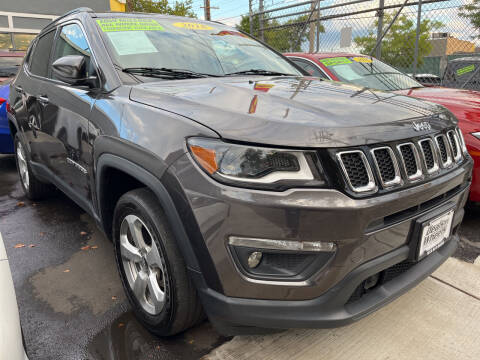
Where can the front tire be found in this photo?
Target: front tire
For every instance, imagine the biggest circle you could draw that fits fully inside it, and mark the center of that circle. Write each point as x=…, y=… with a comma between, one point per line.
x=34, y=189
x=151, y=267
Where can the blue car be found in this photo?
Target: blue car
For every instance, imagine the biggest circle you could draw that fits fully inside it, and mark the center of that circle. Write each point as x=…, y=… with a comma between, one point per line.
x=6, y=143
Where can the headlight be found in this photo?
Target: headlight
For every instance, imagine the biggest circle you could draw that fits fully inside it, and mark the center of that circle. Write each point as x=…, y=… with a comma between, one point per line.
x=476, y=134
x=255, y=167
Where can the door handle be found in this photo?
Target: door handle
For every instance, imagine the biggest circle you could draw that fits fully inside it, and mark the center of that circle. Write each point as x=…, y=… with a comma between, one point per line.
x=19, y=89
x=43, y=100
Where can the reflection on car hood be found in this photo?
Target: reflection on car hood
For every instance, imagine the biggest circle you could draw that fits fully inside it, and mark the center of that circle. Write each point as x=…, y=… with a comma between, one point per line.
x=465, y=104
x=290, y=111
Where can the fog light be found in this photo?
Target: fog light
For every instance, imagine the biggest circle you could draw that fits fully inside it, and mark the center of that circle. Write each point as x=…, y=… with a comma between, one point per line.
x=254, y=259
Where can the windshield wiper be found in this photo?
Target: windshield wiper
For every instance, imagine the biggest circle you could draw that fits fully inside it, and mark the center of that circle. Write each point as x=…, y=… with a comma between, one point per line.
x=258, y=72
x=166, y=72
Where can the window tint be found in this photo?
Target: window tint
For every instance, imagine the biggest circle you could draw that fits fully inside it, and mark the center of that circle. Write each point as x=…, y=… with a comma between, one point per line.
x=41, y=54
x=309, y=68
x=72, y=41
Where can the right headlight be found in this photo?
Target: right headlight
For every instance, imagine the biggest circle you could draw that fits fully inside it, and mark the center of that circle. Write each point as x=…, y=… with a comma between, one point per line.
x=254, y=166
x=476, y=134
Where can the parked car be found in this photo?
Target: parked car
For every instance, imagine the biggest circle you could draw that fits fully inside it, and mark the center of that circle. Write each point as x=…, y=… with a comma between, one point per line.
x=427, y=79
x=10, y=61
x=231, y=183
x=463, y=73
x=369, y=72
x=11, y=339
x=6, y=142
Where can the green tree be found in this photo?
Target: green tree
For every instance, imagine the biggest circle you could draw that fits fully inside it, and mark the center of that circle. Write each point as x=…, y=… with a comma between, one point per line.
x=398, y=46
x=472, y=13
x=281, y=39
x=179, y=8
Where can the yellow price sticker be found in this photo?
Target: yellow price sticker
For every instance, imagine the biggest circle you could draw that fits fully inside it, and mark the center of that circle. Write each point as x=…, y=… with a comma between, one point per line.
x=360, y=59
x=192, y=26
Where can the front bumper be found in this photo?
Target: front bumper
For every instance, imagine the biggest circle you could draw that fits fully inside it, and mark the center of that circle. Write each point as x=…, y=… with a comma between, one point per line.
x=332, y=309
x=370, y=234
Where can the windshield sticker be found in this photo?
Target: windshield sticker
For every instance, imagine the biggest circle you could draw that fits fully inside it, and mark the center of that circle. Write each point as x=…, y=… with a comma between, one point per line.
x=192, y=26
x=136, y=42
x=465, y=70
x=335, y=61
x=360, y=59
x=126, y=24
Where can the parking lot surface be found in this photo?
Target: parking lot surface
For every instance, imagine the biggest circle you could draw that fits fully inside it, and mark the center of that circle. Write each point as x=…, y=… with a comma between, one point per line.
x=72, y=304
x=70, y=297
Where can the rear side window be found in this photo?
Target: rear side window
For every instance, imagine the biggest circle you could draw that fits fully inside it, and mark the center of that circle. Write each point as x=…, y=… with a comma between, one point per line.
x=309, y=68
x=41, y=55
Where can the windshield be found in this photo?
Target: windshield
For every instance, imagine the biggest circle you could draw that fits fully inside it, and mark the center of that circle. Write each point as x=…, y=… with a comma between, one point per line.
x=207, y=48
x=369, y=72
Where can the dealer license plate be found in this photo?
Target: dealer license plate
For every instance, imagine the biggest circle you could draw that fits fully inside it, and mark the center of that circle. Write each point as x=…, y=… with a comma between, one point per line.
x=435, y=233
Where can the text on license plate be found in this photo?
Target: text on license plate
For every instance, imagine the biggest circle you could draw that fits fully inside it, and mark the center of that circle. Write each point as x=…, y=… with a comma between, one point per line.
x=435, y=233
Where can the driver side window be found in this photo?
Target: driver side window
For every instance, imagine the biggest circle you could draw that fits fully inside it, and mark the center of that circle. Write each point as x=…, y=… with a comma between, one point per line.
x=72, y=41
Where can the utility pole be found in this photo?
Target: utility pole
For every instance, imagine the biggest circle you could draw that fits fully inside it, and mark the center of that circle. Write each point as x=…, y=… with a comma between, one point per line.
x=206, y=6
x=250, y=17
x=417, y=37
x=260, y=9
x=318, y=27
x=129, y=6
x=380, y=14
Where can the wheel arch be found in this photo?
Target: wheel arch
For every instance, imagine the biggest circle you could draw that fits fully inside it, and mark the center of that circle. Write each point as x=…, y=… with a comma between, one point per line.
x=137, y=175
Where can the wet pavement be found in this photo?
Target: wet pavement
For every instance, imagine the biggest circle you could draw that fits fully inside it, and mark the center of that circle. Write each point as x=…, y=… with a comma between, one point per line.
x=70, y=297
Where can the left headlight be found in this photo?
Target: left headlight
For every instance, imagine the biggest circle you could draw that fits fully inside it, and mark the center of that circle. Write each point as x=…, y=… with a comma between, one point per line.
x=477, y=135
x=255, y=167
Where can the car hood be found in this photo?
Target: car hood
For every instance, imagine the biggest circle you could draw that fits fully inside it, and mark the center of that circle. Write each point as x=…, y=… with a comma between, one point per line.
x=291, y=111
x=464, y=104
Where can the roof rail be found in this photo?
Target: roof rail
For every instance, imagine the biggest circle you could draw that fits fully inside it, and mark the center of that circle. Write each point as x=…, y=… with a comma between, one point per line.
x=74, y=11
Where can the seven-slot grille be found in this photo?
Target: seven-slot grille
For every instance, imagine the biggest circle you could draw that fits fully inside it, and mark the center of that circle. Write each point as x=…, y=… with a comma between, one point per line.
x=414, y=158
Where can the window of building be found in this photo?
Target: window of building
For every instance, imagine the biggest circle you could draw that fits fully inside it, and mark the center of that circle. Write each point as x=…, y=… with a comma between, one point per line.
x=5, y=41
x=41, y=55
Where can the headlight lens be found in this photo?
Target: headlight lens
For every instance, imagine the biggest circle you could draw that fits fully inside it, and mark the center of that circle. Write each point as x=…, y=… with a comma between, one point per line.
x=476, y=134
x=255, y=167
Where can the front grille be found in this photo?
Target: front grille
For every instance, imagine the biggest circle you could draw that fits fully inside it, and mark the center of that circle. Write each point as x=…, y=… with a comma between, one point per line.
x=385, y=164
x=453, y=143
x=356, y=168
x=418, y=159
x=443, y=149
x=409, y=160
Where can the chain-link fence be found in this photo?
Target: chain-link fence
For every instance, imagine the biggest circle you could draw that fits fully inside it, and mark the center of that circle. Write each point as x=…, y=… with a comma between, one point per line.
x=431, y=39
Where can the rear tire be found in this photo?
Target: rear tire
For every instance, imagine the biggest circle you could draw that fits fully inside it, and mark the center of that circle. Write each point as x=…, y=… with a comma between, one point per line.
x=153, y=272
x=34, y=189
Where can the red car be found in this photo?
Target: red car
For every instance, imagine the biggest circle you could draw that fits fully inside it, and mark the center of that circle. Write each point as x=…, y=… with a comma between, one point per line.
x=368, y=72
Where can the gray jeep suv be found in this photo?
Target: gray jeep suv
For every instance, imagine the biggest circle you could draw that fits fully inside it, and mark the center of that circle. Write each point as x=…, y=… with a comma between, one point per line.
x=231, y=183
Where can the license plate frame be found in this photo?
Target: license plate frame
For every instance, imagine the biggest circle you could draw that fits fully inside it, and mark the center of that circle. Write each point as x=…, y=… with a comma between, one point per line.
x=434, y=233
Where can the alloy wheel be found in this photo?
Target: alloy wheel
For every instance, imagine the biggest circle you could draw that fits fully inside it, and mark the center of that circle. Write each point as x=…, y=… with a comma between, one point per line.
x=22, y=166
x=144, y=264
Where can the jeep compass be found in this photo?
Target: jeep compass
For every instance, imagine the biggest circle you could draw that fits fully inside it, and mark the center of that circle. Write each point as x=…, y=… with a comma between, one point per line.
x=232, y=184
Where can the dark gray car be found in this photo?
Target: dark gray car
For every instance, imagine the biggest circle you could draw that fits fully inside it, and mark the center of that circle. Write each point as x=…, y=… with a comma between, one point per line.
x=232, y=184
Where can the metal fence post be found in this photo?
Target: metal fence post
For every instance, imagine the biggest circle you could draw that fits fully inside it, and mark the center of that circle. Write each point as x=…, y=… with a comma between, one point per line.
x=380, y=14
x=417, y=37
x=318, y=27
x=260, y=9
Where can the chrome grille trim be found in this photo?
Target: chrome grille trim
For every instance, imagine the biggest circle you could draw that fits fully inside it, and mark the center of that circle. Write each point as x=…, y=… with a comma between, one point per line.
x=371, y=186
x=435, y=167
x=448, y=162
x=458, y=156
x=419, y=174
x=398, y=178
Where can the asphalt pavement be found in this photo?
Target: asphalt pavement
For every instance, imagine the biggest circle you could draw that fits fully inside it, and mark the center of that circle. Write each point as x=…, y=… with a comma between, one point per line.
x=72, y=304
x=70, y=297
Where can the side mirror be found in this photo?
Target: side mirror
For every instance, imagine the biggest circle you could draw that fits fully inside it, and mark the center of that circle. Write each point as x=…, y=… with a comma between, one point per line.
x=71, y=69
